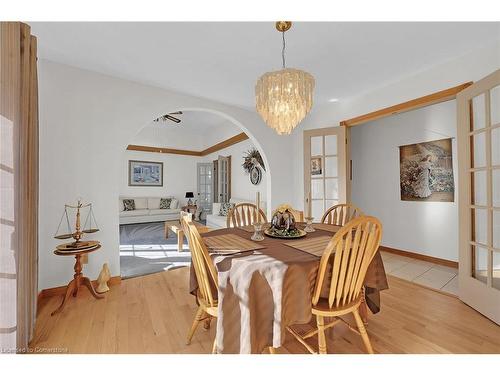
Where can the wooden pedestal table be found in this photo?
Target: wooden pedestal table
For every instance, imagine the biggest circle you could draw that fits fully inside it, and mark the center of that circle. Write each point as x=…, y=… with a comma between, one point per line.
x=78, y=278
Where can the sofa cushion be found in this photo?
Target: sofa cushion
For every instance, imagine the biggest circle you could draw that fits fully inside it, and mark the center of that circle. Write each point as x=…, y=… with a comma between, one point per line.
x=161, y=211
x=134, y=213
x=128, y=205
x=153, y=203
x=174, y=203
x=141, y=203
x=216, y=221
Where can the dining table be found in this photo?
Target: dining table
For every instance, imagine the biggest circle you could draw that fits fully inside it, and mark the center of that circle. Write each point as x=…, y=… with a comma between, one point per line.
x=264, y=290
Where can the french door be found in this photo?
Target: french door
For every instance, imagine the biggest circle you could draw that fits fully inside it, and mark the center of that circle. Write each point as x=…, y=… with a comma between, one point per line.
x=205, y=194
x=224, y=178
x=324, y=169
x=479, y=195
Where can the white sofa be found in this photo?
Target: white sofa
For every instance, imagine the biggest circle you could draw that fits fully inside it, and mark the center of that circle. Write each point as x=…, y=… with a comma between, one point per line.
x=214, y=220
x=147, y=210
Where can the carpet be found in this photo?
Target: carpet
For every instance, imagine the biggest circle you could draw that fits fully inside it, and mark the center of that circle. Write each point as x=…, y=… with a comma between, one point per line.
x=145, y=250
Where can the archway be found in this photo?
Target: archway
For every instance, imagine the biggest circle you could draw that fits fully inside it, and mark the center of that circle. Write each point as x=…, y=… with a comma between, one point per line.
x=148, y=242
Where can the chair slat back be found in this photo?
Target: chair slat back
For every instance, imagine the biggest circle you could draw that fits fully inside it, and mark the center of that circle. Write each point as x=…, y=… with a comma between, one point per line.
x=204, y=268
x=346, y=259
x=298, y=215
x=244, y=214
x=341, y=214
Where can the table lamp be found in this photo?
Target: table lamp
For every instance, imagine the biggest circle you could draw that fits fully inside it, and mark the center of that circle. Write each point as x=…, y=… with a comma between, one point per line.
x=189, y=194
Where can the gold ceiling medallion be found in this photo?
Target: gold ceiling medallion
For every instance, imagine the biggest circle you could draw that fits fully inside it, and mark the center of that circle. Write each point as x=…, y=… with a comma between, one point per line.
x=283, y=26
x=284, y=97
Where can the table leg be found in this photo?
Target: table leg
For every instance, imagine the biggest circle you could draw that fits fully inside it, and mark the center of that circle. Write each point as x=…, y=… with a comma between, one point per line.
x=88, y=284
x=180, y=240
x=69, y=289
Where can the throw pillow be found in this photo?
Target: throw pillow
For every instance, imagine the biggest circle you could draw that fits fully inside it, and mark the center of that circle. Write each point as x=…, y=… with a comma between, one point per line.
x=174, y=203
x=165, y=203
x=128, y=205
x=224, y=208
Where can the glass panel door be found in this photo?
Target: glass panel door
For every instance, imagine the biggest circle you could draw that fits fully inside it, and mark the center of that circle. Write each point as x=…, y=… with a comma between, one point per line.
x=205, y=196
x=324, y=170
x=224, y=178
x=479, y=203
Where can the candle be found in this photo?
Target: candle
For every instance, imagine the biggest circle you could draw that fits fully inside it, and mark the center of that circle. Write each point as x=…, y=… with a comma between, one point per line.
x=309, y=204
x=257, y=199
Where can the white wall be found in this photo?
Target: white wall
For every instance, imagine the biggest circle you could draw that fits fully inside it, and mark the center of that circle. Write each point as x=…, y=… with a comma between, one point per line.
x=241, y=187
x=86, y=121
x=179, y=175
x=471, y=66
x=429, y=228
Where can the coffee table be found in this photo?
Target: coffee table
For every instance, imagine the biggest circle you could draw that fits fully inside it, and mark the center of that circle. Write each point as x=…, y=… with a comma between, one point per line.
x=175, y=226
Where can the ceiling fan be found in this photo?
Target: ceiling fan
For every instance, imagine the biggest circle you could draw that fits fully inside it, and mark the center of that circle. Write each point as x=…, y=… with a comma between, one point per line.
x=169, y=116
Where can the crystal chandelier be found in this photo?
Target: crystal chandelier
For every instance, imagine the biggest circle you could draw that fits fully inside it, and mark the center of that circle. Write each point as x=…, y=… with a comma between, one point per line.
x=284, y=97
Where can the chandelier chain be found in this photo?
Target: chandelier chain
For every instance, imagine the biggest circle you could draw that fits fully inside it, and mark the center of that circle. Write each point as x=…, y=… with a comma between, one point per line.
x=283, y=49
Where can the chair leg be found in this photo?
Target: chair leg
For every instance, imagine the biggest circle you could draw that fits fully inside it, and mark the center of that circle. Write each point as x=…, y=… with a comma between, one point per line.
x=206, y=322
x=214, y=347
x=320, y=321
x=362, y=331
x=197, y=318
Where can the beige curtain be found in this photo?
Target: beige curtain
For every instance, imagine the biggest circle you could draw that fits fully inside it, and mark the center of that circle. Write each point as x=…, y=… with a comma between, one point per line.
x=18, y=186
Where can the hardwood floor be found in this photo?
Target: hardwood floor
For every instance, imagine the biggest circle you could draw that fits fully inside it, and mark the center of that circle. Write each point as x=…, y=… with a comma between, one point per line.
x=152, y=314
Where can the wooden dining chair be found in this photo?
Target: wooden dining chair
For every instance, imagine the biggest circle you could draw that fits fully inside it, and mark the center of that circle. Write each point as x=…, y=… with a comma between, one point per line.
x=244, y=214
x=206, y=276
x=341, y=214
x=298, y=215
x=341, y=274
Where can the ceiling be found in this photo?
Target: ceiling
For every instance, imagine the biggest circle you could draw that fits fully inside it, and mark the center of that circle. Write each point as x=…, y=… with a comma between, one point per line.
x=196, y=131
x=194, y=121
x=222, y=60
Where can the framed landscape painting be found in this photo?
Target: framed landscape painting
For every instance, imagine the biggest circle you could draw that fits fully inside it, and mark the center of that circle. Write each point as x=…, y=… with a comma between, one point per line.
x=426, y=171
x=145, y=173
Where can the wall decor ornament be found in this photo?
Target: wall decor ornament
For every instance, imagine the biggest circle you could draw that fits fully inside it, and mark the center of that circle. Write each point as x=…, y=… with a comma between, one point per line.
x=253, y=164
x=145, y=173
x=426, y=171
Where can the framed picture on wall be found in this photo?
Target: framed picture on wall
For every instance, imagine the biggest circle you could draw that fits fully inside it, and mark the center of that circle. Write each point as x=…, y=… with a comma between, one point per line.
x=426, y=171
x=316, y=167
x=145, y=173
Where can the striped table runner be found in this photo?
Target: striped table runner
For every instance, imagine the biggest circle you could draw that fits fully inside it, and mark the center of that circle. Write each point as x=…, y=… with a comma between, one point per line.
x=314, y=246
x=230, y=244
x=327, y=227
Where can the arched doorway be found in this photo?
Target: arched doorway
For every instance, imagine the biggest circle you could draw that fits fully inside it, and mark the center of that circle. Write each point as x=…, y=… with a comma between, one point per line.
x=178, y=146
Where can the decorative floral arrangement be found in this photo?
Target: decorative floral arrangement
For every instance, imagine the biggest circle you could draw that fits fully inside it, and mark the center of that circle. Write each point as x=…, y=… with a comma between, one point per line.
x=282, y=208
x=251, y=158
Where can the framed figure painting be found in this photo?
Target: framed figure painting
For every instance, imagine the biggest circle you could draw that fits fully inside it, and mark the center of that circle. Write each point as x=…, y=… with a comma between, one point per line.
x=426, y=171
x=145, y=173
x=316, y=168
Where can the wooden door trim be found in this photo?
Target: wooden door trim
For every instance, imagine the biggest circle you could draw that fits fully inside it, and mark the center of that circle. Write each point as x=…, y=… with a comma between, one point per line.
x=423, y=101
x=176, y=151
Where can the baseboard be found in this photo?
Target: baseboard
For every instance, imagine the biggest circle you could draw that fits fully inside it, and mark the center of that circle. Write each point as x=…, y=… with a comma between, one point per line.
x=427, y=258
x=60, y=290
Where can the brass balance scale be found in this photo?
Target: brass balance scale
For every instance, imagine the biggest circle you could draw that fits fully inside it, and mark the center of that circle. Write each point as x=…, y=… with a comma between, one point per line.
x=77, y=248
